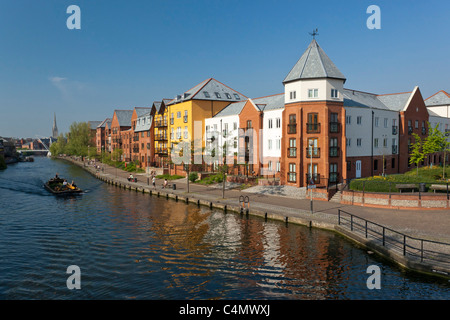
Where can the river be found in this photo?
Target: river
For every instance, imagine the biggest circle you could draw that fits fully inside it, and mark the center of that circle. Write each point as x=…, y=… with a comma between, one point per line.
x=130, y=245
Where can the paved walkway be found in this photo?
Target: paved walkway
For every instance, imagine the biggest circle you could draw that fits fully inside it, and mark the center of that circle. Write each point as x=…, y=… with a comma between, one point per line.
x=430, y=224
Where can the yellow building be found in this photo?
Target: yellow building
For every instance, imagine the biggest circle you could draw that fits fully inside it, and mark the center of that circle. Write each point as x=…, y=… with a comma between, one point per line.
x=203, y=101
x=160, y=118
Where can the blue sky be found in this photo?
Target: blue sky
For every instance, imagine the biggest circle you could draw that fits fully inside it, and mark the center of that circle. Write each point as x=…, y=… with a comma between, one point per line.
x=131, y=53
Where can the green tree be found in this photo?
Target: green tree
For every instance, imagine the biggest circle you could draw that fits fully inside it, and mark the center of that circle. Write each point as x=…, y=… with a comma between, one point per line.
x=78, y=139
x=417, y=155
x=436, y=142
x=59, y=147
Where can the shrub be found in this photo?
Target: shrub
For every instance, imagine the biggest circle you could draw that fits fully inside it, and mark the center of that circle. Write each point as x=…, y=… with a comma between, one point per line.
x=193, y=176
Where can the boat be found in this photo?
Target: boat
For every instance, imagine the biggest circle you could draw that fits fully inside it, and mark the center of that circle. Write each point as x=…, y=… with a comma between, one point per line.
x=56, y=186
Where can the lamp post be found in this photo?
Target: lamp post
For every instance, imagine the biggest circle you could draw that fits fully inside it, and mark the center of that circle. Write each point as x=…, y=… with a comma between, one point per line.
x=186, y=168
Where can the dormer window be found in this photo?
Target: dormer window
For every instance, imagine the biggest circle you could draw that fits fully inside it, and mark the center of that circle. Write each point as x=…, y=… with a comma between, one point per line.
x=228, y=95
x=206, y=94
x=237, y=96
x=313, y=93
x=217, y=95
x=334, y=93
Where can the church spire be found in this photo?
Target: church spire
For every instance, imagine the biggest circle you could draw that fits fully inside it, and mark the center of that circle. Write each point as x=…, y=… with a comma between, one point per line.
x=55, y=127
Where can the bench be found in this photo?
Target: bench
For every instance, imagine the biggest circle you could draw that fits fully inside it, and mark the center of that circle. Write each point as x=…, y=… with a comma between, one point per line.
x=440, y=187
x=411, y=187
x=132, y=179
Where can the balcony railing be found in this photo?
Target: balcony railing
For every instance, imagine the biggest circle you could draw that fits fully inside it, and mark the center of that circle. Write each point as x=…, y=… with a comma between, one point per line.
x=334, y=152
x=292, y=152
x=160, y=137
x=334, y=127
x=394, y=130
x=394, y=149
x=292, y=128
x=313, y=128
x=135, y=150
x=160, y=123
x=161, y=151
x=313, y=179
x=315, y=152
x=185, y=119
x=171, y=120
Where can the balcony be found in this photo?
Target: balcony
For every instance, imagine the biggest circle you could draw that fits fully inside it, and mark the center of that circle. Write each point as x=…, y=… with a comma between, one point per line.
x=161, y=151
x=313, y=179
x=171, y=120
x=334, y=152
x=313, y=128
x=394, y=149
x=394, y=130
x=315, y=152
x=160, y=137
x=185, y=119
x=335, y=127
x=135, y=150
x=292, y=152
x=160, y=124
x=292, y=128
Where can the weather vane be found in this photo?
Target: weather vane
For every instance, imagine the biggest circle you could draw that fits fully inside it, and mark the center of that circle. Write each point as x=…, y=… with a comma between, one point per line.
x=314, y=33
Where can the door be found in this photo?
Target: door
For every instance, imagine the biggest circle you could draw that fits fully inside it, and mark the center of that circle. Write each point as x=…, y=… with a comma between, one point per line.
x=358, y=169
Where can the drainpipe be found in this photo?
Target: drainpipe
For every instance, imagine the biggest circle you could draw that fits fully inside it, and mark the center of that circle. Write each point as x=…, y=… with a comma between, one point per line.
x=371, y=156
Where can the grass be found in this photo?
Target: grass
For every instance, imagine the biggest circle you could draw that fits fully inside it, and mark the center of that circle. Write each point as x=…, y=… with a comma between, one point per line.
x=425, y=175
x=216, y=178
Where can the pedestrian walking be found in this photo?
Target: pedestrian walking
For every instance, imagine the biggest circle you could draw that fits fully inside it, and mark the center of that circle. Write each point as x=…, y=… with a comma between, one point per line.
x=154, y=182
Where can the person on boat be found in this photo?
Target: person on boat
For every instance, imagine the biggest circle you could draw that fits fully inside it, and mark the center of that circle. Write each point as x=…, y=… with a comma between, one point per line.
x=73, y=185
x=65, y=182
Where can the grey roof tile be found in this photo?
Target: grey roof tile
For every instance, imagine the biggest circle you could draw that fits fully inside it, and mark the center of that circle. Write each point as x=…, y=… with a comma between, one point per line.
x=395, y=101
x=440, y=98
x=314, y=63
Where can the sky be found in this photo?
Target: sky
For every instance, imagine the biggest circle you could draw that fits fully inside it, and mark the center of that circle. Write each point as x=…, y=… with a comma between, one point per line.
x=130, y=53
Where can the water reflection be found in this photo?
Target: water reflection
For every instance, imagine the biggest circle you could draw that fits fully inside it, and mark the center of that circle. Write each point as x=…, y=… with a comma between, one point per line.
x=133, y=246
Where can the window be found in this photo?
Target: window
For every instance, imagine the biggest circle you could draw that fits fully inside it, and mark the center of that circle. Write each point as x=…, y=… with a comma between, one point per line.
x=348, y=119
x=270, y=123
x=358, y=142
x=393, y=163
x=348, y=142
x=185, y=119
x=375, y=164
x=313, y=93
x=292, y=126
x=334, y=149
x=186, y=132
x=278, y=166
x=278, y=146
x=249, y=124
x=237, y=96
x=278, y=122
x=235, y=126
x=269, y=165
x=386, y=120
x=349, y=165
x=206, y=94
x=333, y=172
x=292, y=175
x=292, y=95
x=358, y=119
x=385, y=143
x=376, y=121
x=417, y=124
x=292, y=151
x=375, y=142
x=217, y=95
x=313, y=126
x=228, y=95
x=178, y=114
x=270, y=144
x=179, y=133
x=334, y=93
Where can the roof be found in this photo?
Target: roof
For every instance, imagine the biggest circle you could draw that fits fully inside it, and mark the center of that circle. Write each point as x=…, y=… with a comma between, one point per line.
x=440, y=98
x=94, y=124
x=266, y=103
x=104, y=123
x=124, y=117
x=142, y=110
x=395, y=101
x=210, y=89
x=313, y=64
x=354, y=98
x=144, y=122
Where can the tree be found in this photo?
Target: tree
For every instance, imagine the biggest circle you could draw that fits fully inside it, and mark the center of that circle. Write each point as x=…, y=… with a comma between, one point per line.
x=416, y=155
x=79, y=139
x=59, y=147
x=436, y=142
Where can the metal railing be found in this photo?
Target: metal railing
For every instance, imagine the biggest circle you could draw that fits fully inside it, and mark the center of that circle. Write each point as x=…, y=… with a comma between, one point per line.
x=419, y=249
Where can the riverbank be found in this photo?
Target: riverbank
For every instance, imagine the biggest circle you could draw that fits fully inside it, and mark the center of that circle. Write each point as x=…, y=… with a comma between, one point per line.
x=432, y=226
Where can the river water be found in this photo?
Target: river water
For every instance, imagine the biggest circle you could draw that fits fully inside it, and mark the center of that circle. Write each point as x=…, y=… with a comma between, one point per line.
x=130, y=245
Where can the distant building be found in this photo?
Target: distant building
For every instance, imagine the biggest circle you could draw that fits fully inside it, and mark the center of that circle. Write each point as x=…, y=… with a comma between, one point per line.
x=54, y=128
